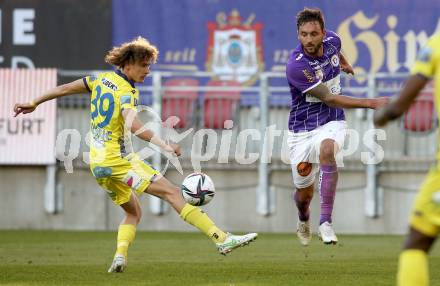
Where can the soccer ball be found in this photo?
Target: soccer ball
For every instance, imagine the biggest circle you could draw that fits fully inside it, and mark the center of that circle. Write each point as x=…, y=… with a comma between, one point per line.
x=198, y=189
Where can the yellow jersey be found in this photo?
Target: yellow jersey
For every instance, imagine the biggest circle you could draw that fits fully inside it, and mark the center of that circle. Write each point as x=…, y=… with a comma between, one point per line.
x=111, y=92
x=428, y=65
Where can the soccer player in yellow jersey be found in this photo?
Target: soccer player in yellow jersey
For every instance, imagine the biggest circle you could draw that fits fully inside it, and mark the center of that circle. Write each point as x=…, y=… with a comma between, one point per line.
x=425, y=216
x=124, y=175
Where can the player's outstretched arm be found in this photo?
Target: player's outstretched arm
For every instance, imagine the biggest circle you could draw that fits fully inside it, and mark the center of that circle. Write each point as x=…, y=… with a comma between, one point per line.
x=136, y=127
x=345, y=65
x=398, y=105
x=73, y=87
x=323, y=93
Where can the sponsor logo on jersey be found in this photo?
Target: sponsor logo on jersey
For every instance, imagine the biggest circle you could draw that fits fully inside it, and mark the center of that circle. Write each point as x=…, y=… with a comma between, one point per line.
x=335, y=60
x=319, y=74
x=308, y=75
x=109, y=84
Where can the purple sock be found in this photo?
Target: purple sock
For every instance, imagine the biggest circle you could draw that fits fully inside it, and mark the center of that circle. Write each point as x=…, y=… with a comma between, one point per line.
x=328, y=178
x=303, y=207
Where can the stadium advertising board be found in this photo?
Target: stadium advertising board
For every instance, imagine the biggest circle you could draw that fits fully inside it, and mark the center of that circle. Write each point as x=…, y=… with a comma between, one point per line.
x=63, y=34
x=244, y=37
x=27, y=139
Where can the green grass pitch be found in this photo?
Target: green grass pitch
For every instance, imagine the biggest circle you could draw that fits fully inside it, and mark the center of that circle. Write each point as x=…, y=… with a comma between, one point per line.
x=170, y=258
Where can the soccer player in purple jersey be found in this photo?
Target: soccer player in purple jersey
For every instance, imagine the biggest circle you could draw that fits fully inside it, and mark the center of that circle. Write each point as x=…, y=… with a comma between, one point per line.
x=317, y=121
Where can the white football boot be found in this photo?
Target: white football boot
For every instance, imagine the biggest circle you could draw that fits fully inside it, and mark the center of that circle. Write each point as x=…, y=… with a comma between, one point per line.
x=327, y=234
x=233, y=241
x=118, y=265
x=303, y=232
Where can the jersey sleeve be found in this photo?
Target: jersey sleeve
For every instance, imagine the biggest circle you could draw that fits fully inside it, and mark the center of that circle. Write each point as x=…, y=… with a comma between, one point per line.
x=427, y=58
x=334, y=39
x=89, y=82
x=301, y=75
x=128, y=100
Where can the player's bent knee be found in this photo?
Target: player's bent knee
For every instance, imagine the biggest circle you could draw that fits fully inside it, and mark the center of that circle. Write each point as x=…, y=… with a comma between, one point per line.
x=327, y=151
x=133, y=217
x=137, y=213
x=138, y=216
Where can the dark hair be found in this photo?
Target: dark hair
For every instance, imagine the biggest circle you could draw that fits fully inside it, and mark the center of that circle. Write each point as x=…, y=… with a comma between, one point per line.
x=309, y=15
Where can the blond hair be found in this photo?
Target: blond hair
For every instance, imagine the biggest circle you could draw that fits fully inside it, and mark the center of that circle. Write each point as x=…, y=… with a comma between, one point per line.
x=130, y=52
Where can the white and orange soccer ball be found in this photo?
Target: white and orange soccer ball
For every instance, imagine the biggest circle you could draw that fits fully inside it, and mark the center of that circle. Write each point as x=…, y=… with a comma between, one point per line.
x=198, y=189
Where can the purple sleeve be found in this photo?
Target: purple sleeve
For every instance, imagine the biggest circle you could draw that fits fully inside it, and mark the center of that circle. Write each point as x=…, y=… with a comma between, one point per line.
x=301, y=75
x=334, y=39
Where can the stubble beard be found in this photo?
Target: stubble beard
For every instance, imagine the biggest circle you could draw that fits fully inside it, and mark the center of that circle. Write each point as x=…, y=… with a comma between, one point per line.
x=315, y=51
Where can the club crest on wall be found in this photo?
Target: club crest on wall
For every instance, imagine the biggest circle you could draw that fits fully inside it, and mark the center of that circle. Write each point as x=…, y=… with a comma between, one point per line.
x=235, y=48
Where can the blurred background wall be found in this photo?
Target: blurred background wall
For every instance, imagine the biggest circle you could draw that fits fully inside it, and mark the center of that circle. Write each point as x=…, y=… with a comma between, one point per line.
x=379, y=38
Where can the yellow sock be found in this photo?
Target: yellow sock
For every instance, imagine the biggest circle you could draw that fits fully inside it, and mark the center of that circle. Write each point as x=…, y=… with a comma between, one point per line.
x=413, y=268
x=196, y=217
x=126, y=234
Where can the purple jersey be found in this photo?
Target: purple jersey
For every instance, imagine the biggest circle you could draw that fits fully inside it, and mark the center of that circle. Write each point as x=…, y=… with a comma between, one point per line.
x=303, y=74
